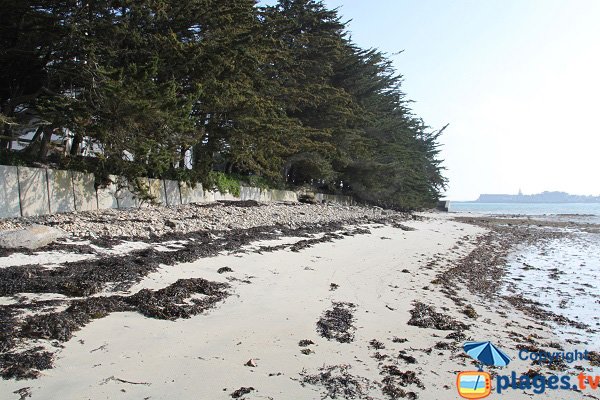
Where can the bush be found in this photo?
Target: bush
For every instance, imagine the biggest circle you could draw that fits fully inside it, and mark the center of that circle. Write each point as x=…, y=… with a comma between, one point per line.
x=224, y=183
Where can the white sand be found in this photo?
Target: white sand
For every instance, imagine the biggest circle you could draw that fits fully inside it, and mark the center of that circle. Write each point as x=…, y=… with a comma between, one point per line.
x=203, y=357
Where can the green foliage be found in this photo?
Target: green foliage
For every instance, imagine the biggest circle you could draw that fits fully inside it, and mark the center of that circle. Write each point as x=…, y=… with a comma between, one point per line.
x=275, y=96
x=223, y=182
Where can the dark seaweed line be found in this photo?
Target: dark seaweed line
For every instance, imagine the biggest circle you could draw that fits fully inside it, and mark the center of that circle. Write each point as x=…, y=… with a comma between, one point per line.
x=84, y=278
x=87, y=277
x=168, y=304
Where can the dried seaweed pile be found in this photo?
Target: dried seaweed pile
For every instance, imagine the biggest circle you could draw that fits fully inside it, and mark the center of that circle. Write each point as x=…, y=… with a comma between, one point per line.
x=339, y=383
x=396, y=381
x=87, y=277
x=425, y=316
x=173, y=302
x=337, y=323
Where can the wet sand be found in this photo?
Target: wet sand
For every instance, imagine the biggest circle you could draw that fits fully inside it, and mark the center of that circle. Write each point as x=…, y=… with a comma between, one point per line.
x=356, y=314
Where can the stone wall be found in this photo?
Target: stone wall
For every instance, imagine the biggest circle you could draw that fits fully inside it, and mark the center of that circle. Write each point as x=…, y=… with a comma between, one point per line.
x=37, y=191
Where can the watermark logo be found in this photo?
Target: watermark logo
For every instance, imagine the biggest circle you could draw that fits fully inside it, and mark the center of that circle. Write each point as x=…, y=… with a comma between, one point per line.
x=474, y=384
x=478, y=384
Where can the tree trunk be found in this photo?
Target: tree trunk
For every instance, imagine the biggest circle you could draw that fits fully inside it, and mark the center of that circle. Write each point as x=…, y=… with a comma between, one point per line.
x=43, y=154
x=182, y=157
x=77, y=139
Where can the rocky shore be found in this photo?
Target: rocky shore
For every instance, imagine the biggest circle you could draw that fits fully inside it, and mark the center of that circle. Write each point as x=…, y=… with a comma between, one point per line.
x=157, y=221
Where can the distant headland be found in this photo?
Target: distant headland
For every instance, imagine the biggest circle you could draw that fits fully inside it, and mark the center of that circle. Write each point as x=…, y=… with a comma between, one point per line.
x=544, y=197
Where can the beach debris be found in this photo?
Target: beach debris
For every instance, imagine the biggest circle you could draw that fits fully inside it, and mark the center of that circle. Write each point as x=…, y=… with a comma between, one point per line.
x=470, y=312
x=405, y=271
x=537, y=311
x=376, y=344
x=337, y=323
x=306, y=351
x=308, y=198
x=305, y=342
x=457, y=336
x=378, y=356
x=251, y=363
x=23, y=393
x=333, y=286
x=403, y=227
x=32, y=237
x=443, y=346
x=532, y=373
x=425, y=316
x=222, y=270
x=338, y=382
x=555, y=273
x=406, y=357
x=242, y=391
x=396, y=380
x=396, y=339
x=171, y=303
x=403, y=378
x=594, y=358
x=26, y=364
x=115, y=379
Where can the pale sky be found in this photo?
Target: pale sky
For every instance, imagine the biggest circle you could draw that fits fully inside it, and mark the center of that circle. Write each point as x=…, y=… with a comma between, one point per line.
x=517, y=80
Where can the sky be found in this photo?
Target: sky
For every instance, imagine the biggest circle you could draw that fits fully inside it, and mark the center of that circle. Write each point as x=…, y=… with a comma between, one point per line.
x=518, y=82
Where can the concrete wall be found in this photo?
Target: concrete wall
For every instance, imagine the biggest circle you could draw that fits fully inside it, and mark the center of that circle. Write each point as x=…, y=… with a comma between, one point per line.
x=37, y=191
x=84, y=191
x=173, y=196
x=60, y=189
x=191, y=194
x=33, y=191
x=9, y=192
x=334, y=198
x=107, y=196
x=156, y=188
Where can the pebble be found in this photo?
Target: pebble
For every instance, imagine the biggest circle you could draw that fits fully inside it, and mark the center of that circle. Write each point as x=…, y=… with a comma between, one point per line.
x=160, y=220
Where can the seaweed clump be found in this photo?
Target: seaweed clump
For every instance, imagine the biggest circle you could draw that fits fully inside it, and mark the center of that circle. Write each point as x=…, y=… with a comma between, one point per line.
x=170, y=303
x=396, y=381
x=339, y=383
x=26, y=364
x=337, y=323
x=425, y=316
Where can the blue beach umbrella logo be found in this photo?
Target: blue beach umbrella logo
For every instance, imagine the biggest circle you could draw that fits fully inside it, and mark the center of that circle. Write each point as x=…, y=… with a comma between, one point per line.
x=487, y=354
x=477, y=384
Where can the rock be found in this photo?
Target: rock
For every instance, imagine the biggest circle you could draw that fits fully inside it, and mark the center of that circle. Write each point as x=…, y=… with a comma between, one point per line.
x=308, y=198
x=251, y=363
x=32, y=237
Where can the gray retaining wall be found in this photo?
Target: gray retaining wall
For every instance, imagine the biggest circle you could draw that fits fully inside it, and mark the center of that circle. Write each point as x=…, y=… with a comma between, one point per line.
x=37, y=191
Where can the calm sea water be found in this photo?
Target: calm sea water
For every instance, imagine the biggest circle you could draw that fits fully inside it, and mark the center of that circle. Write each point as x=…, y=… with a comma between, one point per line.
x=526, y=208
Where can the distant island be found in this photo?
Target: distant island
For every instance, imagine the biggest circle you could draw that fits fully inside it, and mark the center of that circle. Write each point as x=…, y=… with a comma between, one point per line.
x=544, y=197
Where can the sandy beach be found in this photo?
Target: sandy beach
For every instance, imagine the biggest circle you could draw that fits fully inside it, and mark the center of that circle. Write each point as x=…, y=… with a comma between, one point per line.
x=369, y=309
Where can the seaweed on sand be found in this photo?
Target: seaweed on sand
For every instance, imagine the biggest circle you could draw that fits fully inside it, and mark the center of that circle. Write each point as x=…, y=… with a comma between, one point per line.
x=87, y=277
x=395, y=382
x=241, y=392
x=339, y=383
x=337, y=323
x=425, y=316
x=25, y=364
x=170, y=303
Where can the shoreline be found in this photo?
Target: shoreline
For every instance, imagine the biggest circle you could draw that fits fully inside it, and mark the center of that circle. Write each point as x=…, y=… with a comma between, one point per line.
x=392, y=282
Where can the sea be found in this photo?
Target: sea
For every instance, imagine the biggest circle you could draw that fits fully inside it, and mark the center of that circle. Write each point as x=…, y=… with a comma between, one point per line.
x=562, y=274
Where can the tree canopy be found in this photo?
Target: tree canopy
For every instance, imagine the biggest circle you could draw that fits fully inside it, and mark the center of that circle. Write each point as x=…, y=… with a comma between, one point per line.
x=179, y=88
